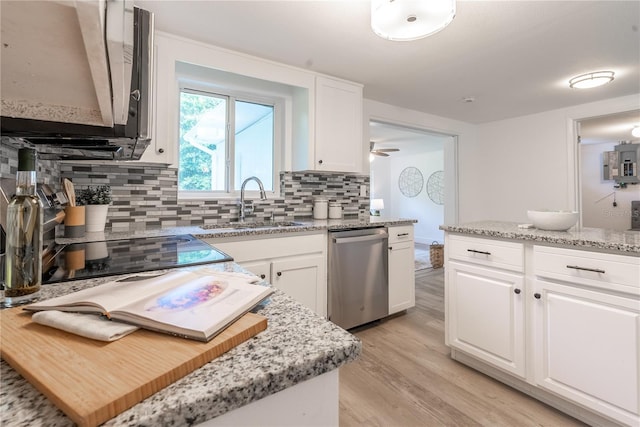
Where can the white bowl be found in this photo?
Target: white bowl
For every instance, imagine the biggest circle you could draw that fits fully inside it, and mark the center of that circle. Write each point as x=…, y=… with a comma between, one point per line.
x=553, y=220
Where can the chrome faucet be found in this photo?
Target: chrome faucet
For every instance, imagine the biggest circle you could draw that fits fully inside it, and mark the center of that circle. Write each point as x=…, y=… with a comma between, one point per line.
x=263, y=195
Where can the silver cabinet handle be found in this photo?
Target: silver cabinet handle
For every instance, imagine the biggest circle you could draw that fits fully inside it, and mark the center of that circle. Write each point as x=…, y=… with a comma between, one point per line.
x=594, y=270
x=339, y=240
x=478, y=252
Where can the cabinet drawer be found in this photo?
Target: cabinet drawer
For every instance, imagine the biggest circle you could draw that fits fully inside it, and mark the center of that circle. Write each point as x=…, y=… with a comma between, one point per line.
x=266, y=248
x=608, y=271
x=401, y=233
x=492, y=253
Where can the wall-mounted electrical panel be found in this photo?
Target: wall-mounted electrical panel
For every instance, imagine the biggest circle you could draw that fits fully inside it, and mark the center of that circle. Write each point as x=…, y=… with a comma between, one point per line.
x=621, y=165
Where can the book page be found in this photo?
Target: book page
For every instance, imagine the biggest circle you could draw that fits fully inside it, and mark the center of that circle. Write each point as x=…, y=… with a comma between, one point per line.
x=204, y=304
x=110, y=296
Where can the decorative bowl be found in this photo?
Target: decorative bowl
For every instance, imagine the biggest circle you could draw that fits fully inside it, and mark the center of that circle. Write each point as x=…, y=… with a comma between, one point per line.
x=553, y=220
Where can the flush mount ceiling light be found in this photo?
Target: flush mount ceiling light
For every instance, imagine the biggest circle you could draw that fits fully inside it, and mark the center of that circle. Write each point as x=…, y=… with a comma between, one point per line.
x=589, y=80
x=635, y=131
x=405, y=20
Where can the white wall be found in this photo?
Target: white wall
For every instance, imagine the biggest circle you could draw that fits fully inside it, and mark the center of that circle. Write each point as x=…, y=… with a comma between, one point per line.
x=465, y=134
x=527, y=162
x=429, y=215
x=506, y=167
x=427, y=155
x=597, y=201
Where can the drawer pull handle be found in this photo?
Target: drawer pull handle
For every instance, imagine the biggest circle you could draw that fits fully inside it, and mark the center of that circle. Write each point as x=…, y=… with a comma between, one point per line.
x=403, y=234
x=537, y=295
x=517, y=291
x=279, y=273
x=595, y=270
x=390, y=248
x=478, y=252
x=263, y=276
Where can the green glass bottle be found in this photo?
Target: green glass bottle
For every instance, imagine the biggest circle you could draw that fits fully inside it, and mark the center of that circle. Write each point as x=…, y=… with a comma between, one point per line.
x=23, y=258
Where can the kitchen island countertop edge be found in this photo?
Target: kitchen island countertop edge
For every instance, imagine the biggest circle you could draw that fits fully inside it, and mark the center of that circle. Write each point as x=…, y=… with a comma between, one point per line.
x=296, y=346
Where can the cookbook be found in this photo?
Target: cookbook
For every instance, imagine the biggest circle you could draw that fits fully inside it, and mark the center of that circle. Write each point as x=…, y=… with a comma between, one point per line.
x=195, y=304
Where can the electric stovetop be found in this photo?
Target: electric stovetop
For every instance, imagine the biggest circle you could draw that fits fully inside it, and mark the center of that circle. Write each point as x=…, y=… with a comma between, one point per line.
x=63, y=262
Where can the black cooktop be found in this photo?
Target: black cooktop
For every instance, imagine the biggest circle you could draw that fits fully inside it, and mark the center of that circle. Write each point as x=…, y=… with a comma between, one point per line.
x=111, y=257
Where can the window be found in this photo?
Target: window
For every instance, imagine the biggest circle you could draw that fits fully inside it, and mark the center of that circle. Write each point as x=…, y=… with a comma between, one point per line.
x=224, y=139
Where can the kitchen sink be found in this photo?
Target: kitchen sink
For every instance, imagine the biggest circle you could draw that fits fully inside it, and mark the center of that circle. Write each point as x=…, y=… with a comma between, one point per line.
x=251, y=225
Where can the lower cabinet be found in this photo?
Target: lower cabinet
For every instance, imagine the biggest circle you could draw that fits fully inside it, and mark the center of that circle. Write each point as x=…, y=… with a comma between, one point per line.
x=402, y=282
x=486, y=315
x=294, y=264
x=563, y=323
x=301, y=278
x=587, y=348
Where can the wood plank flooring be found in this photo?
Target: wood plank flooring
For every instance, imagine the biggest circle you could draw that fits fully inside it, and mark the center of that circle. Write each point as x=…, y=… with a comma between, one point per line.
x=405, y=376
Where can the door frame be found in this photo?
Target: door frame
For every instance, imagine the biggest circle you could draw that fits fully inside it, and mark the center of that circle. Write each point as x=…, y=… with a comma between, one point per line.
x=575, y=115
x=451, y=180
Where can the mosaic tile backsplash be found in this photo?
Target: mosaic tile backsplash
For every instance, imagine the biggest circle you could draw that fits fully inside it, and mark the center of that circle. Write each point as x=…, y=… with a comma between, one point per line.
x=145, y=195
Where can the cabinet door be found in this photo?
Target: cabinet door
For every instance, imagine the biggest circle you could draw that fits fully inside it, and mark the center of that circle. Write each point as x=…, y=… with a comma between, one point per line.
x=402, y=285
x=338, y=142
x=302, y=278
x=587, y=348
x=486, y=315
x=262, y=269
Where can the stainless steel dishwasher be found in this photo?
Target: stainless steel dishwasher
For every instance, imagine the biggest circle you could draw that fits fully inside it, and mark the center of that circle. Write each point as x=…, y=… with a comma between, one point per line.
x=358, y=285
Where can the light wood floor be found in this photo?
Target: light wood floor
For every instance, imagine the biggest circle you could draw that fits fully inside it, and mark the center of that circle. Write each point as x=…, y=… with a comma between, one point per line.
x=405, y=376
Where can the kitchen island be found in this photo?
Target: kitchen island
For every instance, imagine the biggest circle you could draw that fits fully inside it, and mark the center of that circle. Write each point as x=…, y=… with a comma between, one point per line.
x=598, y=239
x=555, y=314
x=297, y=348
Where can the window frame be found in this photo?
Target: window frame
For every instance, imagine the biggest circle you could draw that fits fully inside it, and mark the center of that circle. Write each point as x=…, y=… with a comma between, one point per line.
x=232, y=189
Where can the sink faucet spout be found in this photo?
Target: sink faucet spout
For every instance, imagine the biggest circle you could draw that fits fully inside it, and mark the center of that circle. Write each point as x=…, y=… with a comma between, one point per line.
x=263, y=194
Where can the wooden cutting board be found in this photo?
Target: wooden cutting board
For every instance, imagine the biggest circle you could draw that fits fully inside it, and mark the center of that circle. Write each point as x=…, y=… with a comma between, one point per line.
x=93, y=381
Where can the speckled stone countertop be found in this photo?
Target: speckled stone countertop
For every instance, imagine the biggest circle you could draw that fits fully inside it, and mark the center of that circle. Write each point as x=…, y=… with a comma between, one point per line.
x=297, y=345
x=587, y=238
x=235, y=230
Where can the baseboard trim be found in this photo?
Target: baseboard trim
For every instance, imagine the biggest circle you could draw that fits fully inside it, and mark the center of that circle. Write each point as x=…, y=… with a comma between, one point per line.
x=578, y=412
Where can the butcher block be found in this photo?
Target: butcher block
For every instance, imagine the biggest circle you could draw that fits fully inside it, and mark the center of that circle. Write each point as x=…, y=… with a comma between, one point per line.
x=93, y=381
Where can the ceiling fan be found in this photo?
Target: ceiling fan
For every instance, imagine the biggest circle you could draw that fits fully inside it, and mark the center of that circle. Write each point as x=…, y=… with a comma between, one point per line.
x=381, y=151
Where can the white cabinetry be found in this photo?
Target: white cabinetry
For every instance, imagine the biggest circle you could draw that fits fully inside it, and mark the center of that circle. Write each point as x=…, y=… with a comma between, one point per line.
x=485, y=300
x=338, y=126
x=402, y=286
x=562, y=325
x=294, y=264
x=586, y=337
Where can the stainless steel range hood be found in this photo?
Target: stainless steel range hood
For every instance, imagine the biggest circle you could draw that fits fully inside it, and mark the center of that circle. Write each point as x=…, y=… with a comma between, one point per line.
x=70, y=90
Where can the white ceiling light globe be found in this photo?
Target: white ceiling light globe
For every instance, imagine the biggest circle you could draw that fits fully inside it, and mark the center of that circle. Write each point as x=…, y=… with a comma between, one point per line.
x=405, y=20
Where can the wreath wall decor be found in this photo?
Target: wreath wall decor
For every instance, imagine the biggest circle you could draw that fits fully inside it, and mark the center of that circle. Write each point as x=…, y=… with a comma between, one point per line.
x=410, y=181
x=435, y=187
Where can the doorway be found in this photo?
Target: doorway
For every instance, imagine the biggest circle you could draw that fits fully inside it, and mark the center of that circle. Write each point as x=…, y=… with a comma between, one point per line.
x=604, y=202
x=409, y=176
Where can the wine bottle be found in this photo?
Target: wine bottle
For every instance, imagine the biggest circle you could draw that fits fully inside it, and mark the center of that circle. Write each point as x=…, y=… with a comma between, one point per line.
x=23, y=255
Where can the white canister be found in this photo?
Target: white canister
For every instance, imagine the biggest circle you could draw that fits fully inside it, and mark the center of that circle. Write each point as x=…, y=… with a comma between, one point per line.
x=320, y=208
x=335, y=210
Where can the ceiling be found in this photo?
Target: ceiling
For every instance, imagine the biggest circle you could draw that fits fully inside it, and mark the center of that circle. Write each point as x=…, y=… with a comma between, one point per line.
x=512, y=57
x=611, y=128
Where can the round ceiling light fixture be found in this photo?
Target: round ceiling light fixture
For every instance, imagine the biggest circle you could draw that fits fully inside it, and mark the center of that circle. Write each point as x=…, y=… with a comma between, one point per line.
x=406, y=20
x=636, y=131
x=589, y=80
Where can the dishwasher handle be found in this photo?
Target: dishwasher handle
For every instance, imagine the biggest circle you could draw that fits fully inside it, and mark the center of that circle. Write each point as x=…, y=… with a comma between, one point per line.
x=378, y=236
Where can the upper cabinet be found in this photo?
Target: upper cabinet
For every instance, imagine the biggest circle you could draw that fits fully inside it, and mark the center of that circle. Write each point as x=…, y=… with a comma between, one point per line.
x=323, y=117
x=338, y=126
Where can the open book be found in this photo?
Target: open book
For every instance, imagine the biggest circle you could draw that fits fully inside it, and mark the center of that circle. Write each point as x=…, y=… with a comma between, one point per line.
x=193, y=304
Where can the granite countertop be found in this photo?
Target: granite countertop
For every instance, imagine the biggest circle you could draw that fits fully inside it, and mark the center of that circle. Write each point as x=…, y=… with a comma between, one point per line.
x=224, y=230
x=592, y=238
x=297, y=345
